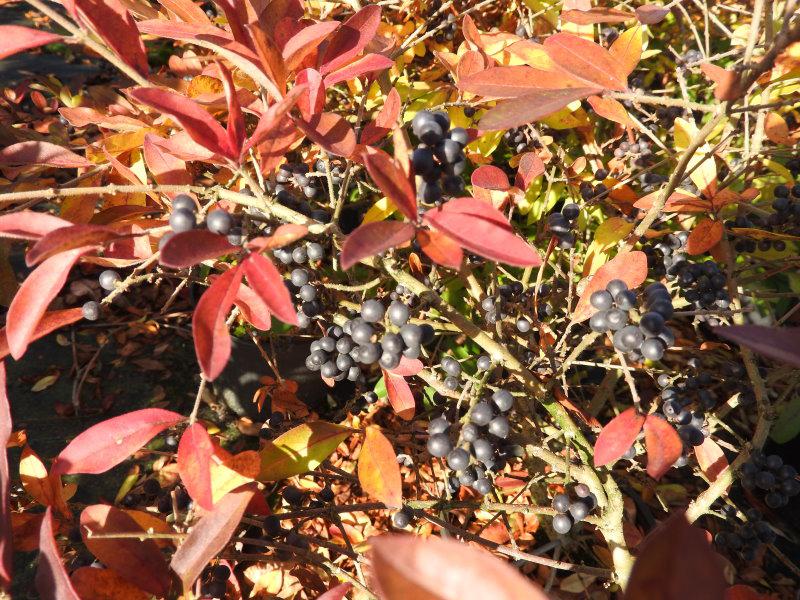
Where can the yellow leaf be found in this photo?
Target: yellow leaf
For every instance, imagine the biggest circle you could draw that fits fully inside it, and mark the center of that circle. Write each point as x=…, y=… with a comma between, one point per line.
x=627, y=48
x=703, y=170
x=235, y=471
x=300, y=449
x=379, y=211
x=607, y=235
x=204, y=84
x=44, y=488
x=45, y=382
x=378, y=471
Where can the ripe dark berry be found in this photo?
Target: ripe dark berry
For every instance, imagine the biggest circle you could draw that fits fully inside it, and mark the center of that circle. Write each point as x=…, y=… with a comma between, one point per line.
x=372, y=311
x=482, y=485
x=219, y=221
x=392, y=342
x=628, y=338
x=484, y=363
x=181, y=220
x=401, y=519
x=293, y=495
x=362, y=332
x=458, y=459
x=451, y=383
x=108, y=279
x=582, y=490
x=398, y=313
x=439, y=445
x=503, y=400
x=221, y=573
x=370, y=397
x=523, y=325
x=562, y=524
x=314, y=251
x=411, y=334
x=389, y=361
x=459, y=134
x=561, y=503
x=438, y=425
x=598, y=322
x=765, y=480
x=653, y=349
x=571, y=211
x=499, y=427
x=184, y=202
x=481, y=414
x=91, y=310
x=616, y=318
x=579, y=509
x=470, y=432
x=601, y=300
x=299, y=255
x=483, y=450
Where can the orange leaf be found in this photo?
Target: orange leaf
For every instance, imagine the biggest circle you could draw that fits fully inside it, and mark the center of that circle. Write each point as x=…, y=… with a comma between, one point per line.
x=617, y=437
x=777, y=130
x=104, y=584
x=664, y=445
x=705, y=235
x=440, y=248
x=400, y=396
x=610, y=109
x=378, y=471
x=630, y=267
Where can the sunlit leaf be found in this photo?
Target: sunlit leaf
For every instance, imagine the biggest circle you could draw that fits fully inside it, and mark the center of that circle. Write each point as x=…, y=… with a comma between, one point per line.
x=300, y=449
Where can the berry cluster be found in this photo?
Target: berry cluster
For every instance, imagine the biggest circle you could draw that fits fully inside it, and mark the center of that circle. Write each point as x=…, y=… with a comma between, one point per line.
x=571, y=511
x=747, y=537
x=184, y=218
x=481, y=445
x=561, y=224
x=448, y=31
x=299, y=283
x=520, y=139
x=509, y=298
x=295, y=179
x=639, y=152
x=785, y=219
x=215, y=586
x=438, y=159
x=768, y=473
x=589, y=192
x=337, y=355
x=651, y=337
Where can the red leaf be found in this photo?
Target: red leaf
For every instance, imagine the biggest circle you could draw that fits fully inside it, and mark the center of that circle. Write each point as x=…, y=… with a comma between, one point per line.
x=189, y=248
x=268, y=53
x=312, y=101
x=630, y=267
x=16, y=38
x=778, y=343
x=6, y=550
x=617, y=437
x=378, y=471
x=166, y=168
x=29, y=225
x=212, y=342
x=330, y=131
x=514, y=81
x=407, y=367
x=186, y=10
x=136, y=560
x=273, y=117
x=705, y=235
x=105, y=445
x=34, y=296
x=210, y=535
x=26, y=154
x=337, y=592
x=373, y=238
x=267, y=282
x=484, y=234
x=490, y=178
x=285, y=234
x=596, y=15
x=585, y=60
x=195, y=452
x=52, y=581
x=366, y=64
x=478, y=208
x=385, y=121
x=650, y=14
x=69, y=238
x=400, y=396
x=610, y=109
x=253, y=308
x=675, y=561
x=727, y=81
x=744, y=592
x=711, y=459
x=235, y=129
x=407, y=566
x=351, y=38
x=194, y=119
x=392, y=180
x=115, y=25
x=664, y=445
x=531, y=107
x=305, y=42
x=47, y=324
x=236, y=15
x=530, y=167
x=440, y=248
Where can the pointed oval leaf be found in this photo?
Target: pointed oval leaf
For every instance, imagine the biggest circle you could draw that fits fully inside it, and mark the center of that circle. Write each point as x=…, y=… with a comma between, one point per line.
x=115, y=25
x=482, y=234
x=305, y=42
x=610, y=109
x=253, y=308
x=136, y=560
x=51, y=321
x=530, y=167
x=392, y=180
x=34, y=296
x=490, y=178
x=407, y=566
x=617, y=437
x=330, y=131
x=273, y=116
x=705, y=235
x=373, y=238
x=778, y=343
x=166, y=168
x=596, y=15
x=285, y=234
x=189, y=248
x=312, y=101
x=531, y=107
x=300, y=449
x=664, y=445
x=513, y=81
x=195, y=120
x=195, y=452
x=400, y=396
x=378, y=471
x=267, y=282
x=69, y=238
x=351, y=38
x=29, y=225
x=210, y=535
x=26, y=154
x=627, y=49
x=630, y=267
x=15, y=38
x=52, y=581
x=105, y=445
x=212, y=342
x=385, y=121
x=235, y=129
x=585, y=60
x=650, y=14
x=407, y=367
x=440, y=248
x=6, y=550
x=370, y=63
x=677, y=561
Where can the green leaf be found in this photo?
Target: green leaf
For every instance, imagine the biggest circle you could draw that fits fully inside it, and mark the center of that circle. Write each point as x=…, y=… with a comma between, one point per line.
x=788, y=424
x=300, y=450
x=380, y=388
